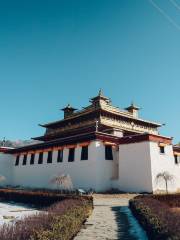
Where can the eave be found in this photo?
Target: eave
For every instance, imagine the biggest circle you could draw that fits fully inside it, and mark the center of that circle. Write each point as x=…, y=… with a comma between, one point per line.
x=73, y=116
x=145, y=137
x=68, y=140
x=120, y=114
x=79, y=130
x=133, y=119
x=5, y=149
x=176, y=148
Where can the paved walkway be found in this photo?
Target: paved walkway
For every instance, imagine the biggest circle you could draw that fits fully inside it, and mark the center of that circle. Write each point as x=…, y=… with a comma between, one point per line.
x=111, y=219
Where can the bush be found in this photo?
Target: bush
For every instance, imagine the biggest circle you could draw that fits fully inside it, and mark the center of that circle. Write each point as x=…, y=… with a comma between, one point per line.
x=38, y=198
x=156, y=217
x=61, y=221
x=172, y=200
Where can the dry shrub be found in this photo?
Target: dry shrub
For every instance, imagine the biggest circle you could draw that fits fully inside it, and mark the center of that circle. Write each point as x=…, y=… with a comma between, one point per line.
x=38, y=198
x=156, y=217
x=172, y=200
x=60, y=221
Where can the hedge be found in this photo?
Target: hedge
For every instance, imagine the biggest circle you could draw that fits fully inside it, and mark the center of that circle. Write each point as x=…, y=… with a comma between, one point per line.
x=61, y=221
x=37, y=198
x=172, y=200
x=156, y=217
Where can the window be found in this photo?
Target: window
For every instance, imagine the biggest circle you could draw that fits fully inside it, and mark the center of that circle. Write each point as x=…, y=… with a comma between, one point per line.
x=17, y=160
x=60, y=156
x=71, y=154
x=32, y=159
x=162, y=149
x=84, y=153
x=40, y=160
x=24, y=159
x=108, y=153
x=49, y=158
x=176, y=159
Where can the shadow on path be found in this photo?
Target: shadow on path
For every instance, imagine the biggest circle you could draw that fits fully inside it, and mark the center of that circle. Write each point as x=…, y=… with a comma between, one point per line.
x=128, y=227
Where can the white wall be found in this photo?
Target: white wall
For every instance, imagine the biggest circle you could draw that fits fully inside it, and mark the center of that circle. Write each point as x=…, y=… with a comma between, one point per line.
x=95, y=173
x=138, y=165
x=104, y=168
x=6, y=168
x=39, y=175
x=164, y=162
x=134, y=168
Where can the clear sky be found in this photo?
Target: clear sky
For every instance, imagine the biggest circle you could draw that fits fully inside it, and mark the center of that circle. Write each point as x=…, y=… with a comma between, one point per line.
x=58, y=52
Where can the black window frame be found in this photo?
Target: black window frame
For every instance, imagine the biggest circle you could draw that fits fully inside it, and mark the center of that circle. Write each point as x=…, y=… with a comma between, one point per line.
x=32, y=158
x=71, y=156
x=40, y=158
x=60, y=155
x=176, y=161
x=50, y=157
x=162, y=149
x=84, y=152
x=108, y=152
x=24, y=162
x=17, y=160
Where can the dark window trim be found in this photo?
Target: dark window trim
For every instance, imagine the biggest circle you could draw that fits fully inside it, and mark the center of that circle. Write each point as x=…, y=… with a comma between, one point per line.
x=108, y=152
x=84, y=152
x=176, y=159
x=17, y=160
x=24, y=159
x=40, y=159
x=162, y=149
x=49, y=157
x=32, y=158
x=60, y=155
x=71, y=156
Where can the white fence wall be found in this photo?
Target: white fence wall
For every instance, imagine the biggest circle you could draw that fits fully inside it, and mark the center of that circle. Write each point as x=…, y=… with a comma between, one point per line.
x=95, y=173
x=138, y=165
x=6, y=167
x=164, y=162
x=134, y=168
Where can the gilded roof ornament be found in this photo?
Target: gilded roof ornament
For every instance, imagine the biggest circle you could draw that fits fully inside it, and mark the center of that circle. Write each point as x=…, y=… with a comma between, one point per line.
x=132, y=106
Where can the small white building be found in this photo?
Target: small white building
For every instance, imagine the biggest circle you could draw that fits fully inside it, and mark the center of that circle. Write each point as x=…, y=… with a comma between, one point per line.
x=100, y=147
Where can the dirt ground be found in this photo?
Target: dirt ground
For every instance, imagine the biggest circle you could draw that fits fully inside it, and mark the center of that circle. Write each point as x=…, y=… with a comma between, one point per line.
x=118, y=195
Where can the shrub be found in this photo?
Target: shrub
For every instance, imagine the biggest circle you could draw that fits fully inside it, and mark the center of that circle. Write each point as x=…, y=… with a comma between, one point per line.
x=61, y=221
x=172, y=200
x=38, y=198
x=156, y=217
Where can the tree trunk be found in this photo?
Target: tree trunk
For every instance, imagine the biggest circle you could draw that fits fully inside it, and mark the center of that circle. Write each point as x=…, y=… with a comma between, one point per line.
x=166, y=187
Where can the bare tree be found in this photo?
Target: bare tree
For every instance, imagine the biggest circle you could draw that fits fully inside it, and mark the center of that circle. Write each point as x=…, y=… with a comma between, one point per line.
x=63, y=182
x=166, y=177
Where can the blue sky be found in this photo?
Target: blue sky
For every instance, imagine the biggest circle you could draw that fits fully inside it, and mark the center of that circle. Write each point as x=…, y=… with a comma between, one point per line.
x=58, y=52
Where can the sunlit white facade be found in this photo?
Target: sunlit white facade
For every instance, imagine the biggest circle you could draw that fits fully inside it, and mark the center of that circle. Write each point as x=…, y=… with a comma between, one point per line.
x=100, y=147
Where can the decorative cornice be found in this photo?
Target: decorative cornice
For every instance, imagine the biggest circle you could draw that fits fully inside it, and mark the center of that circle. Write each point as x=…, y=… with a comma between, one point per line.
x=68, y=140
x=144, y=138
x=5, y=149
x=103, y=106
x=176, y=148
x=90, y=137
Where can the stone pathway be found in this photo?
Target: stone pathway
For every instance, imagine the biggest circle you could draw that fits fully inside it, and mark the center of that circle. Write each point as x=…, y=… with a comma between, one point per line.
x=111, y=219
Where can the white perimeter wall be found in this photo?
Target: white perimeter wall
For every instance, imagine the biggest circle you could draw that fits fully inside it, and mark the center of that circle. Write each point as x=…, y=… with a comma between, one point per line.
x=138, y=165
x=6, y=167
x=164, y=162
x=95, y=173
x=134, y=168
x=104, y=168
